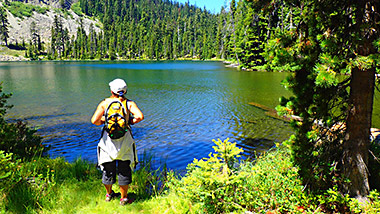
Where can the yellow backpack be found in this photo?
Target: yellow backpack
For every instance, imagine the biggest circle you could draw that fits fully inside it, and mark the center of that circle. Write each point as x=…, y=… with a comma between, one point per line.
x=116, y=119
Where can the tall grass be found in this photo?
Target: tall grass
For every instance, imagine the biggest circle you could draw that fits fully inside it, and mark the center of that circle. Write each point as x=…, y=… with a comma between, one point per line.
x=56, y=186
x=42, y=182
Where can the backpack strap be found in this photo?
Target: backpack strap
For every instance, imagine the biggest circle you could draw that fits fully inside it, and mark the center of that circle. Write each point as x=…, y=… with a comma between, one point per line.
x=129, y=115
x=126, y=104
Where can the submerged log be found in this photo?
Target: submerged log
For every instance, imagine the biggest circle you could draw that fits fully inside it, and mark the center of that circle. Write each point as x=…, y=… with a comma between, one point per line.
x=263, y=107
x=273, y=113
x=375, y=132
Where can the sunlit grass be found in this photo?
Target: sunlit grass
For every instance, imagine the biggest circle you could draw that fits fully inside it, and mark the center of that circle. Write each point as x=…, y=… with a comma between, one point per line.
x=56, y=186
x=162, y=204
x=11, y=52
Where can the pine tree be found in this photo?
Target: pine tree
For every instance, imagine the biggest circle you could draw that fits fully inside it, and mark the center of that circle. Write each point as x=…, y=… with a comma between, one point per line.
x=334, y=53
x=59, y=36
x=36, y=40
x=233, y=28
x=4, y=31
x=252, y=37
x=92, y=44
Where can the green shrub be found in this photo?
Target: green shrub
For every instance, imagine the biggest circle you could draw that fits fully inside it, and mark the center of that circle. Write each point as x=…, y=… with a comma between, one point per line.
x=333, y=201
x=18, y=138
x=41, y=10
x=9, y=172
x=213, y=180
x=21, y=140
x=77, y=9
x=21, y=10
x=224, y=186
x=374, y=203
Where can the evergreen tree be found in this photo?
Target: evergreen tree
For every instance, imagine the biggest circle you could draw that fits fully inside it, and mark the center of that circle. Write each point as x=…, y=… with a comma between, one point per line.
x=35, y=39
x=4, y=31
x=92, y=43
x=330, y=38
x=233, y=28
x=59, y=36
x=252, y=37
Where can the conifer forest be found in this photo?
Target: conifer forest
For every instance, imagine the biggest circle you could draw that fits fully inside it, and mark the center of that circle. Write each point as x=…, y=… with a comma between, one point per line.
x=157, y=30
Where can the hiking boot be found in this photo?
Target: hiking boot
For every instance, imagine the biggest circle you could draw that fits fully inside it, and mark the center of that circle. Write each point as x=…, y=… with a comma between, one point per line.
x=124, y=201
x=109, y=197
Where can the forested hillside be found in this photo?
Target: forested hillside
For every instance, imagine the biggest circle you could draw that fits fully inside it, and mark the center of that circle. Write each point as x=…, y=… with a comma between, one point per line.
x=154, y=29
x=147, y=29
x=144, y=29
x=163, y=29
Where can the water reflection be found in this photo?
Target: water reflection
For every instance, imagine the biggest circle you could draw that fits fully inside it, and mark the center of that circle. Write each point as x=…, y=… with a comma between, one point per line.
x=186, y=105
x=253, y=146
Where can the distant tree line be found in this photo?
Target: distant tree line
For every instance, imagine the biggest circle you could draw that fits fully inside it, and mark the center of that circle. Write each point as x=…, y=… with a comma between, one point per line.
x=156, y=30
x=161, y=29
x=140, y=30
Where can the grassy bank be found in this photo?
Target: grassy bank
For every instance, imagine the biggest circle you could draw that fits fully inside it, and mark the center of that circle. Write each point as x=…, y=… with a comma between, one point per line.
x=216, y=184
x=7, y=54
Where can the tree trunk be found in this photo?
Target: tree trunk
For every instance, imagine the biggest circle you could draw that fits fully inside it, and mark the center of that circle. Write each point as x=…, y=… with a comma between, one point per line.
x=357, y=140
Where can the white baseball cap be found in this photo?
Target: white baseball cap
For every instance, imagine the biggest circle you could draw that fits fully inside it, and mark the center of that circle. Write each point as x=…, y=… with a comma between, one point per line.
x=118, y=86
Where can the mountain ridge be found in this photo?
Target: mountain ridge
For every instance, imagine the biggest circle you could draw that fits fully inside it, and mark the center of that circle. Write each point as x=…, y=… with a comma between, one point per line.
x=19, y=27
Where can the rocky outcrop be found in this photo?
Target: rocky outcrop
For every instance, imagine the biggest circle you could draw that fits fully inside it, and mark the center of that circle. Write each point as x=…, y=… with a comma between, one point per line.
x=19, y=29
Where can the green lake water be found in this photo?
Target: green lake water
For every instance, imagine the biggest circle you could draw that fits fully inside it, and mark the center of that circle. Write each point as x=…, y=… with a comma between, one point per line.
x=186, y=104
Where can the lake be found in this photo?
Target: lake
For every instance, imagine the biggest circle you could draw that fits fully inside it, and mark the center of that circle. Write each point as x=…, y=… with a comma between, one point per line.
x=186, y=105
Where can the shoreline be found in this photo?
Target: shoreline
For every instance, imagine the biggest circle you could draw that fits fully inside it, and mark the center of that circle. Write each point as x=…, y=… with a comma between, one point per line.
x=11, y=55
x=13, y=58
